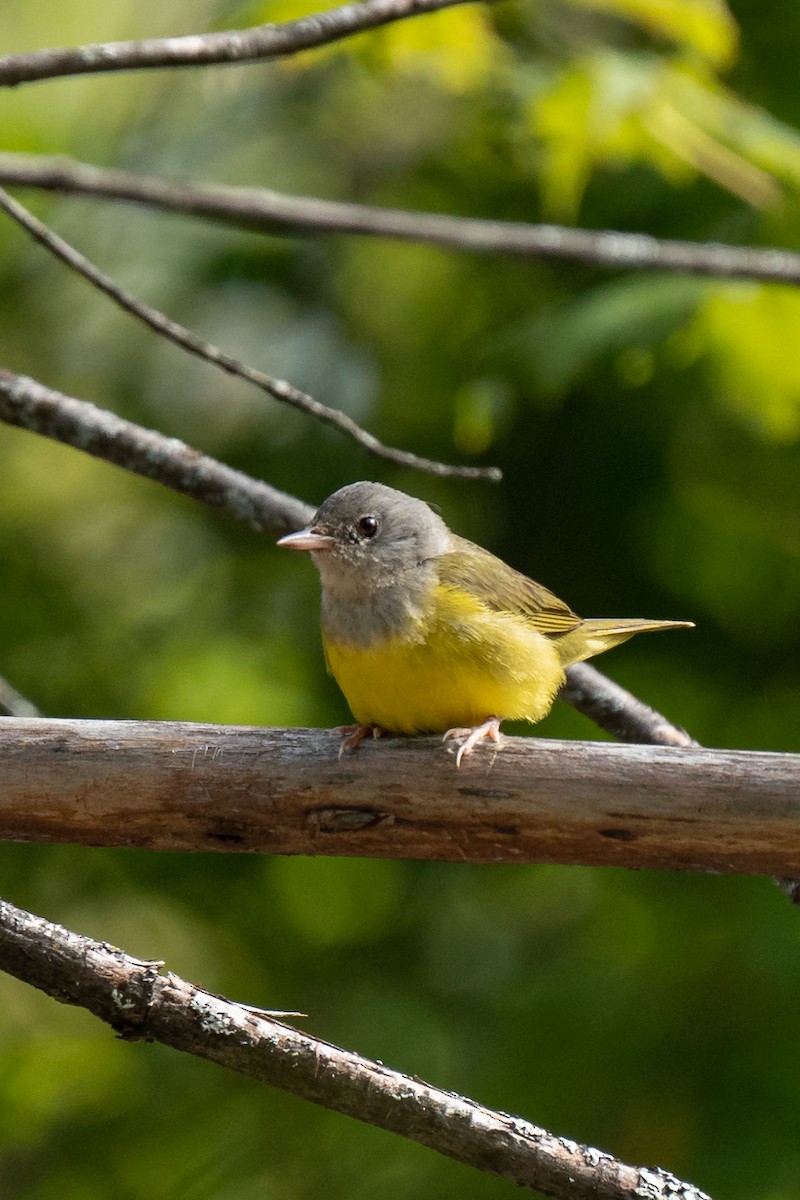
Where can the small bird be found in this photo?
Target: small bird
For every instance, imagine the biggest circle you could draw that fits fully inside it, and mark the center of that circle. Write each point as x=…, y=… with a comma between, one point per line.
x=426, y=632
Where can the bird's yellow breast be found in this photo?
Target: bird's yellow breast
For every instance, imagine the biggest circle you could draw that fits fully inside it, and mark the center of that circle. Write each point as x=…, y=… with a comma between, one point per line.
x=455, y=665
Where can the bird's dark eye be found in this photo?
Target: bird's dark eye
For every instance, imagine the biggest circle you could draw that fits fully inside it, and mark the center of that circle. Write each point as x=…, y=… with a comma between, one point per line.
x=367, y=526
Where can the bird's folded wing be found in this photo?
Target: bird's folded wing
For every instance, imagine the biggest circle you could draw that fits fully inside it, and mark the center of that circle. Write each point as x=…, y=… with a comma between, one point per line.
x=471, y=569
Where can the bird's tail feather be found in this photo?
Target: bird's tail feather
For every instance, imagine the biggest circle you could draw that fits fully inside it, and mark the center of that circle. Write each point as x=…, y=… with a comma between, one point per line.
x=598, y=634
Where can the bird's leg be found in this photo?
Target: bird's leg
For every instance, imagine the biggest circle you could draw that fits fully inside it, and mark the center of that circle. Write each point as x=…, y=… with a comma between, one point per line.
x=467, y=739
x=353, y=736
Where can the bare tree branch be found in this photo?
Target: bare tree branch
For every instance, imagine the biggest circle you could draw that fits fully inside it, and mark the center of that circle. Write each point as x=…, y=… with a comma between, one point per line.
x=132, y=997
x=233, y=46
x=180, y=786
x=168, y=461
x=189, y=341
x=617, y=711
x=30, y=405
x=269, y=212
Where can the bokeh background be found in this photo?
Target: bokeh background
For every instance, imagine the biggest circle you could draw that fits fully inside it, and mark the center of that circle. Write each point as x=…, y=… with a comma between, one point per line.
x=649, y=431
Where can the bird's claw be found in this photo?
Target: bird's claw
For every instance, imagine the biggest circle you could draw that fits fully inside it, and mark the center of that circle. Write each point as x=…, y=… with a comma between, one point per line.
x=464, y=741
x=354, y=735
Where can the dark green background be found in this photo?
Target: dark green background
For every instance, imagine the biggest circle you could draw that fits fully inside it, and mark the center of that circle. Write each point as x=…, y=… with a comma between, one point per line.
x=648, y=429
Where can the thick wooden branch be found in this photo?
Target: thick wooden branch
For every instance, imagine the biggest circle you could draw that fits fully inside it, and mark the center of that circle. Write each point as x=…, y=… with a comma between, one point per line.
x=270, y=212
x=139, y=1002
x=170, y=786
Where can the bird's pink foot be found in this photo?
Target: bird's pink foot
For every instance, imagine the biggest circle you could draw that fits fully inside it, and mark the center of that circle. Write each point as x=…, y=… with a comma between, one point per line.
x=354, y=735
x=467, y=739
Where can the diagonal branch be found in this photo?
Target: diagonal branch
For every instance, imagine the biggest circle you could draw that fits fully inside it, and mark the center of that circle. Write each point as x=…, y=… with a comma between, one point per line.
x=618, y=712
x=183, y=337
x=136, y=1000
x=270, y=212
x=232, y=46
x=30, y=405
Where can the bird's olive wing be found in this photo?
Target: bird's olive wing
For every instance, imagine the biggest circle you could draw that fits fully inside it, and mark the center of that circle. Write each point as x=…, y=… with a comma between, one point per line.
x=471, y=569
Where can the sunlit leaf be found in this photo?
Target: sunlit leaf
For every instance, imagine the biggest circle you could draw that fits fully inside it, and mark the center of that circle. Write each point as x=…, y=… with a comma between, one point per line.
x=456, y=48
x=747, y=331
x=609, y=109
x=705, y=26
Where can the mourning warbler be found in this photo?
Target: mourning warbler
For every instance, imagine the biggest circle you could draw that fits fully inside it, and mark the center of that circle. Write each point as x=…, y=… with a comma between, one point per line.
x=426, y=632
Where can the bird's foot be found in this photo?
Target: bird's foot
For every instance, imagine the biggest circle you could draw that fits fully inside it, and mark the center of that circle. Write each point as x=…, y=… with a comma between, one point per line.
x=354, y=735
x=464, y=741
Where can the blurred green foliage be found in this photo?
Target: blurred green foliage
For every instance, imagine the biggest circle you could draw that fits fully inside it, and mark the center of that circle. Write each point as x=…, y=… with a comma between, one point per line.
x=649, y=429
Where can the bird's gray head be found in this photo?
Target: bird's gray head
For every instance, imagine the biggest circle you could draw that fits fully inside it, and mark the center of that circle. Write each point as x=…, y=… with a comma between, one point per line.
x=367, y=533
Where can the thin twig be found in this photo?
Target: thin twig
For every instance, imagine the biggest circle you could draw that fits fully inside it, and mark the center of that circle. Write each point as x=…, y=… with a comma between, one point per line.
x=140, y=1003
x=232, y=46
x=181, y=336
x=30, y=405
x=269, y=212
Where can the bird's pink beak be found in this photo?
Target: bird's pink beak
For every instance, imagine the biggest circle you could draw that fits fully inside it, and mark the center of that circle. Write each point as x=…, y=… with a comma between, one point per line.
x=307, y=539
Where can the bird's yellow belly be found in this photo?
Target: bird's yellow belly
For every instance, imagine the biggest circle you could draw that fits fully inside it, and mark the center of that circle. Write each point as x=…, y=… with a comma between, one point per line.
x=467, y=667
